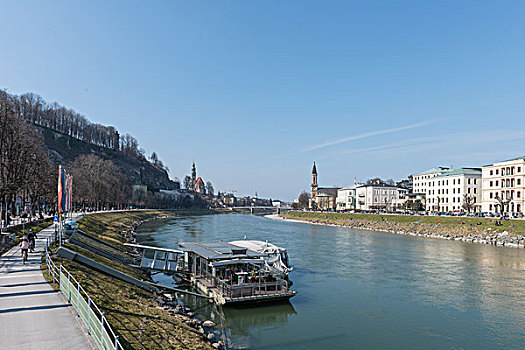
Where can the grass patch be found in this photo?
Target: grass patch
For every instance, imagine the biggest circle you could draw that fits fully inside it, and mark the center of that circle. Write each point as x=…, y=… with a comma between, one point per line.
x=459, y=226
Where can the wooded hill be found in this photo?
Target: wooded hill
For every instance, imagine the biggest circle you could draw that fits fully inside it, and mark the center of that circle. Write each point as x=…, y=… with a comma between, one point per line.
x=68, y=134
x=65, y=149
x=36, y=136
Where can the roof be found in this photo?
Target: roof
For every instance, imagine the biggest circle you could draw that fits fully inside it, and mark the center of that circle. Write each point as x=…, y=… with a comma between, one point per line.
x=382, y=185
x=440, y=169
x=199, y=180
x=219, y=250
x=462, y=171
x=314, y=170
x=508, y=160
x=351, y=187
x=330, y=191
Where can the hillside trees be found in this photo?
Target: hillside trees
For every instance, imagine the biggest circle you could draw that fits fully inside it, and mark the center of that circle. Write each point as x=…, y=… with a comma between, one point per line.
x=24, y=162
x=97, y=182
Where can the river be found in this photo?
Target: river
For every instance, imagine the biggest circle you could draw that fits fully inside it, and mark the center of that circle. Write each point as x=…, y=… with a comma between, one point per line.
x=365, y=289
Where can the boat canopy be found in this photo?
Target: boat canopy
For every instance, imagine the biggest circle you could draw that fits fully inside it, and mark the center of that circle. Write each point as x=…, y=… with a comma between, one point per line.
x=259, y=246
x=220, y=250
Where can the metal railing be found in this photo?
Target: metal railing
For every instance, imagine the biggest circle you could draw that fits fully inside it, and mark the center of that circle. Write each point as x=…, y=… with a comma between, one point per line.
x=254, y=288
x=90, y=314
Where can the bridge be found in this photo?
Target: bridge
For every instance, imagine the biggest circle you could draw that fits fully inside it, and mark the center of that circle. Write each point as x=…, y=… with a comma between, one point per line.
x=253, y=209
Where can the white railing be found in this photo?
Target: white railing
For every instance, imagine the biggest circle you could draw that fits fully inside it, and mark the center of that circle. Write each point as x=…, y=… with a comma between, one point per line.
x=94, y=319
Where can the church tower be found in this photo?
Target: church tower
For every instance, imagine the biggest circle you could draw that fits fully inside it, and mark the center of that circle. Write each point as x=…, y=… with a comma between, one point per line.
x=314, y=182
x=193, y=176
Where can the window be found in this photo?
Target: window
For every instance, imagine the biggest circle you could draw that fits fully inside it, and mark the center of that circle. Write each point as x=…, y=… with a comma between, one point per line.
x=496, y=183
x=458, y=182
x=518, y=182
x=475, y=190
x=497, y=172
x=518, y=194
x=468, y=190
x=490, y=195
x=491, y=184
x=491, y=172
x=519, y=169
x=490, y=207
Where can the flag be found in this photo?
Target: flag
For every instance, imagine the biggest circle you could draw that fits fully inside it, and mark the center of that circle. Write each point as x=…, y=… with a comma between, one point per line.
x=61, y=190
x=71, y=192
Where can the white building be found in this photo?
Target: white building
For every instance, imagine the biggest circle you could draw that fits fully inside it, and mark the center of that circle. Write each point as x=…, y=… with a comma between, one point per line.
x=380, y=196
x=454, y=190
x=421, y=181
x=503, y=187
x=346, y=198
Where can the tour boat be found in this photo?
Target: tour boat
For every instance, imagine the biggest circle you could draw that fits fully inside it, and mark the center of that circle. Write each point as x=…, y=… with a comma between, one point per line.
x=275, y=258
x=233, y=274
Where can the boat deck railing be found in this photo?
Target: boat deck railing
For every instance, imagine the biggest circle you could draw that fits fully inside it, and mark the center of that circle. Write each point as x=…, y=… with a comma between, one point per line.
x=247, y=289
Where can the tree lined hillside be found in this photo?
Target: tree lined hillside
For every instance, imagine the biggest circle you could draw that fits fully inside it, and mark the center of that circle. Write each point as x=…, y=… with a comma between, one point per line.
x=36, y=136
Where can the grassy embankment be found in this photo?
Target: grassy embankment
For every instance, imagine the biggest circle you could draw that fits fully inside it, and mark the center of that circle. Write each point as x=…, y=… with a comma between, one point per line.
x=132, y=312
x=452, y=226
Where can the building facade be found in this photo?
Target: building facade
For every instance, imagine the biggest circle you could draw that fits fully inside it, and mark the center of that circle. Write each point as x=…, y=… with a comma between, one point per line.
x=422, y=181
x=457, y=190
x=380, y=196
x=347, y=198
x=503, y=187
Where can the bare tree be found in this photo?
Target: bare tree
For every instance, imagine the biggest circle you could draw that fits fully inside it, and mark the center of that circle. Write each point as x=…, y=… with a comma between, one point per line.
x=187, y=183
x=468, y=203
x=502, y=203
x=304, y=200
x=209, y=188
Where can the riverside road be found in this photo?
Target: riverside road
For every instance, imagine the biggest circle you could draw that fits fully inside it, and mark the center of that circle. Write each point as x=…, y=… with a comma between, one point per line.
x=32, y=314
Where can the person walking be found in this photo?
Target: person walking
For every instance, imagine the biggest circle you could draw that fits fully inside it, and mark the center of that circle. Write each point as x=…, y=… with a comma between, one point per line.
x=31, y=237
x=24, y=247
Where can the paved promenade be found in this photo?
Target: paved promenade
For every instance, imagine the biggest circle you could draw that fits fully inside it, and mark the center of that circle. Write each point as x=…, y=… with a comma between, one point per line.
x=32, y=314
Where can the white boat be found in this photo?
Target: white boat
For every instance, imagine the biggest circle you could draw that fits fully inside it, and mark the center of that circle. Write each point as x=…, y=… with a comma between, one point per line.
x=275, y=258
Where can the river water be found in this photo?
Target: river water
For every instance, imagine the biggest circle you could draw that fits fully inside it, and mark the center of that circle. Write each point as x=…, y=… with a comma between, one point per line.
x=365, y=289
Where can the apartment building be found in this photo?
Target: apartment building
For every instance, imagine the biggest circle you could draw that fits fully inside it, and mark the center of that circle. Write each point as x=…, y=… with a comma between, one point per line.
x=455, y=190
x=503, y=187
x=421, y=181
x=379, y=196
x=347, y=198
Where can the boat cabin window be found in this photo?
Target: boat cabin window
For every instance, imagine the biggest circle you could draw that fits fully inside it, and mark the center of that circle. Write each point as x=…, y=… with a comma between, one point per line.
x=239, y=251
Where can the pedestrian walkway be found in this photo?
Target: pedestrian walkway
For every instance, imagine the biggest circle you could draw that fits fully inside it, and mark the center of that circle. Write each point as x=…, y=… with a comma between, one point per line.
x=32, y=314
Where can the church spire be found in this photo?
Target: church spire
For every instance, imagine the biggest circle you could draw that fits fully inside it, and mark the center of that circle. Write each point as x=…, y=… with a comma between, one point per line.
x=193, y=175
x=314, y=185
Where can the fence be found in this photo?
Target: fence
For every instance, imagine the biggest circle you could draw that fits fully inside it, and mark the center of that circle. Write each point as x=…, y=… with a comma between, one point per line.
x=94, y=320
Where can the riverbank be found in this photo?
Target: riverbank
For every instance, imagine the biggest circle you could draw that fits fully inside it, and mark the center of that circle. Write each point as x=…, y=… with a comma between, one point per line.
x=142, y=319
x=477, y=230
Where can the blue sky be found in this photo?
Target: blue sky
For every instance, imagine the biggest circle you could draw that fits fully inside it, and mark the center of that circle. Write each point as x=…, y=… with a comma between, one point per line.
x=254, y=92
